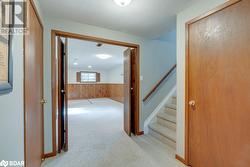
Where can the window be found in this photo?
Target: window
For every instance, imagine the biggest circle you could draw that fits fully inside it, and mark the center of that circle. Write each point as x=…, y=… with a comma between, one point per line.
x=84, y=76
x=88, y=77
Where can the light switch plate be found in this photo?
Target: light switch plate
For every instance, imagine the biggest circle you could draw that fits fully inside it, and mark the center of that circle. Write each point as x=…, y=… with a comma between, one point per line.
x=141, y=78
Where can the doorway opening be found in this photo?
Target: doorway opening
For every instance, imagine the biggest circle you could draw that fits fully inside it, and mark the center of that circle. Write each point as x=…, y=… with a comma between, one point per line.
x=91, y=77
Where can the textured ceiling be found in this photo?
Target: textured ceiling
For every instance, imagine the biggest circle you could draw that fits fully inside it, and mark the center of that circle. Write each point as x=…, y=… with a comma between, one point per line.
x=84, y=53
x=146, y=18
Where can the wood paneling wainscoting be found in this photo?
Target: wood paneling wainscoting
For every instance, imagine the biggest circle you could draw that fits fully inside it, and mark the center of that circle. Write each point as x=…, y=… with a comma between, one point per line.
x=87, y=91
x=116, y=92
x=98, y=90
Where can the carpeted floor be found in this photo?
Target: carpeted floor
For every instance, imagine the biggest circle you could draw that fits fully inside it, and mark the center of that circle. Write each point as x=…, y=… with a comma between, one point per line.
x=96, y=139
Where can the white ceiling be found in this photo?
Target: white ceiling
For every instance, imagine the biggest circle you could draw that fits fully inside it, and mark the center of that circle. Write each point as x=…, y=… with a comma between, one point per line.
x=147, y=18
x=84, y=53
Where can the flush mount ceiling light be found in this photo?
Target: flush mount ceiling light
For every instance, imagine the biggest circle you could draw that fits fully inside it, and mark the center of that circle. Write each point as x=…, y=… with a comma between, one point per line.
x=122, y=3
x=75, y=63
x=89, y=66
x=103, y=56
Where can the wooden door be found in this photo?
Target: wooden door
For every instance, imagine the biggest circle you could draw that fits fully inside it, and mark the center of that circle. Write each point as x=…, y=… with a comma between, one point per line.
x=127, y=91
x=33, y=89
x=66, y=146
x=133, y=91
x=62, y=96
x=61, y=93
x=219, y=88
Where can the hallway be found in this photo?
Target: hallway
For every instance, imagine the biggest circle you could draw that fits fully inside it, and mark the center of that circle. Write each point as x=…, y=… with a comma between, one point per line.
x=96, y=139
x=77, y=80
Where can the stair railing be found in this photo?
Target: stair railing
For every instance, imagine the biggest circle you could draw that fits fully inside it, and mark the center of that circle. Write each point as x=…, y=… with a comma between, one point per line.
x=155, y=88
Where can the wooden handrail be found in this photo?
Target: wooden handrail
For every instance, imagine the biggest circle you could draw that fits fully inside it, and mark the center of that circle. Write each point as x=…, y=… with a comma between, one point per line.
x=159, y=83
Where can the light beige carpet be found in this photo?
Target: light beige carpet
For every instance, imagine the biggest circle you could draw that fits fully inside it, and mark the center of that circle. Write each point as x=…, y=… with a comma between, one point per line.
x=96, y=138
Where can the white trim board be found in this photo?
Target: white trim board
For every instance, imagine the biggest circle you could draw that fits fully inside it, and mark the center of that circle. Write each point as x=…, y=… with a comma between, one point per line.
x=158, y=109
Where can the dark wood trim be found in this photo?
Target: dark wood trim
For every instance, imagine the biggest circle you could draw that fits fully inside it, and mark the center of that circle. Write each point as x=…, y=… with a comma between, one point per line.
x=213, y=11
x=24, y=90
x=54, y=92
x=24, y=106
x=36, y=12
x=179, y=158
x=159, y=83
x=137, y=113
x=55, y=33
x=137, y=88
x=59, y=98
x=78, y=77
x=140, y=133
x=48, y=155
x=66, y=146
x=186, y=99
x=93, y=39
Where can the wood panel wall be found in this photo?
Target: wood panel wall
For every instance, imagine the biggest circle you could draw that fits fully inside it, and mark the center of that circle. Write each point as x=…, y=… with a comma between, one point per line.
x=116, y=92
x=90, y=91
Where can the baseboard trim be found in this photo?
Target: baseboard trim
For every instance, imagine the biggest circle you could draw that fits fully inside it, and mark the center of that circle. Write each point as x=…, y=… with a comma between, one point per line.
x=140, y=133
x=179, y=158
x=49, y=155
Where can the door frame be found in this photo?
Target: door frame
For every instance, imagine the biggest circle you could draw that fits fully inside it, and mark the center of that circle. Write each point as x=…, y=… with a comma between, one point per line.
x=24, y=90
x=227, y=4
x=54, y=34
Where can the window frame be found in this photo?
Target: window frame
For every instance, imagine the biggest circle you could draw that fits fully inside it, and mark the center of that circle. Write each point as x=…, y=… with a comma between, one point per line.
x=97, y=78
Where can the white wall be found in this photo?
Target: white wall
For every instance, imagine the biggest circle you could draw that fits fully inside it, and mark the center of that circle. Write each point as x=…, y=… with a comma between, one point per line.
x=12, y=108
x=182, y=18
x=153, y=54
x=115, y=75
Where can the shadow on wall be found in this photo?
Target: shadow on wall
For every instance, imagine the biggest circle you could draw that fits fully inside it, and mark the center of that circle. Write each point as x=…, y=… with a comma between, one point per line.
x=156, y=98
x=157, y=66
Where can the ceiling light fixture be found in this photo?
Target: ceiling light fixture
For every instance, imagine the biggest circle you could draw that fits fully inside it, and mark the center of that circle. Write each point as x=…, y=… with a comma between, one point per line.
x=89, y=66
x=122, y=3
x=75, y=63
x=103, y=56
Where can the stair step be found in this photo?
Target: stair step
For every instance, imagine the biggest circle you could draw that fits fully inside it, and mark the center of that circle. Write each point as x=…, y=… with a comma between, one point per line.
x=170, y=111
x=167, y=117
x=171, y=105
x=174, y=100
x=164, y=131
x=163, y=134
x=167, y=124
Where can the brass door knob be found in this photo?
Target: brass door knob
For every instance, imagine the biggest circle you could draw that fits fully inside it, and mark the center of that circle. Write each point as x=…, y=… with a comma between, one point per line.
x=43, y=101
x=192, y=103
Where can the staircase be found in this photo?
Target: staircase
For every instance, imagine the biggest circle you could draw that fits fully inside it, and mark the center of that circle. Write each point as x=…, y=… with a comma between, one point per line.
x=163, y=127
